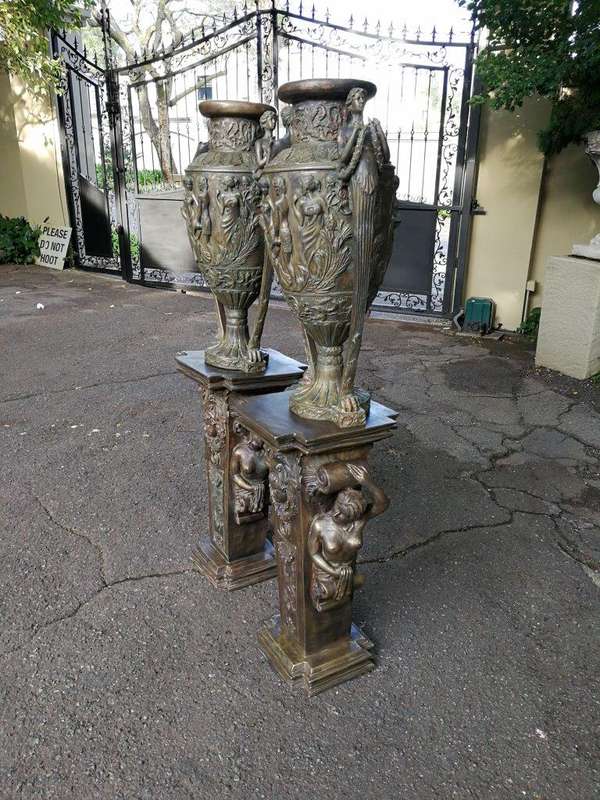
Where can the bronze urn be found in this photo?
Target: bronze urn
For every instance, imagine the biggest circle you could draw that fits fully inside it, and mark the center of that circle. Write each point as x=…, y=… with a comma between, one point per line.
x=220, y=208
x=328, y=194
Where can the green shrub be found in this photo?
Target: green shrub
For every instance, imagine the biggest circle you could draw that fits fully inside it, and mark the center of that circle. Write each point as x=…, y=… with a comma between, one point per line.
x=531, y=324
x=18, y=241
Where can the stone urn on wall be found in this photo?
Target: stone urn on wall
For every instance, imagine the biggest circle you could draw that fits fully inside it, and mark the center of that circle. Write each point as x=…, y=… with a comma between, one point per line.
x=592, y=250
x=326, y=211
x=220, y=209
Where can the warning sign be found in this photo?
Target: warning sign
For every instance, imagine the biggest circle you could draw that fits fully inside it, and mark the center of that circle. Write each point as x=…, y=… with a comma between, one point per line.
x=53, y=243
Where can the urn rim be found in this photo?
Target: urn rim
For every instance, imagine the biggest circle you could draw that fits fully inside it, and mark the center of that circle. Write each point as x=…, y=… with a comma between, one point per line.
x=323, y=89
x=233, y=108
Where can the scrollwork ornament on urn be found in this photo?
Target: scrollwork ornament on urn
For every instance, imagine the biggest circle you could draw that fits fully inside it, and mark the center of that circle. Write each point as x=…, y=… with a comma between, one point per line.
x=220, y=208
x=328, y=196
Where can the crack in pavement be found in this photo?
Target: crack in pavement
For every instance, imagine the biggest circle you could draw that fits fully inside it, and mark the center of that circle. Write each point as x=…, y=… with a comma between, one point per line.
x=78, y=535
x=117, y=381
x=82, y=603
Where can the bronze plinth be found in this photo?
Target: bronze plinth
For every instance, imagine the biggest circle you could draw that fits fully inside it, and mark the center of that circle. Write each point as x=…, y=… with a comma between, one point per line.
x=221, y=213
x=321, y=500
x=327, y=195
x=236, y=550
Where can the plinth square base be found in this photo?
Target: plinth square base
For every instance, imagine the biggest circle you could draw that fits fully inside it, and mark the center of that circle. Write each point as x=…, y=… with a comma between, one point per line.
x=230, y=575
x=323, y=670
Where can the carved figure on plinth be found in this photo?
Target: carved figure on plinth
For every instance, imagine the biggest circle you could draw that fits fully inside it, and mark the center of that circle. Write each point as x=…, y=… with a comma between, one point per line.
x=221, y=211
x=336, y=535
x=249, y=473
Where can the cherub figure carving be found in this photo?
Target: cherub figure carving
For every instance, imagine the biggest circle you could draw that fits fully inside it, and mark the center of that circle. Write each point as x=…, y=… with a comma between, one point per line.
x=249, y=473
x=336, y=536
x=264, y=145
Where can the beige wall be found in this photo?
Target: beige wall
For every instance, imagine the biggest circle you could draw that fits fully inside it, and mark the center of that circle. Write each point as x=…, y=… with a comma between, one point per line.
x=534, y=209
x=567, y=212
x=508, y=185
x=32, y=184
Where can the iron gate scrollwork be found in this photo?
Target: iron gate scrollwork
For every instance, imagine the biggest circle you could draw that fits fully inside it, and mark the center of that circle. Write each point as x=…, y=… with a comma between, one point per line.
x=424, y=84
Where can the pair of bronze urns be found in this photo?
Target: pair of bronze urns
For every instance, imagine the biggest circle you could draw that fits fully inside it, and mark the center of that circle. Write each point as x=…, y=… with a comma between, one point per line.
x=315, y=207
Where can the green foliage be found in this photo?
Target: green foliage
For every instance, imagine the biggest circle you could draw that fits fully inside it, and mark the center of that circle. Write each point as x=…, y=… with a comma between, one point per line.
x=24, y=48
x=531, y=325
x=133, y=241
x=18, y=241
x=147, y=178
x=549, y=48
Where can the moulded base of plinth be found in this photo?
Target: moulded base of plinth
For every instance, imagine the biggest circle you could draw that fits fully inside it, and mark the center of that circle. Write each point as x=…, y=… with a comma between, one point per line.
x=235, y=574
x=320, y=671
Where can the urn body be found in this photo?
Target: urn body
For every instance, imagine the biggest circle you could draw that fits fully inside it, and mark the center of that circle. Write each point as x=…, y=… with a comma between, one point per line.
x=220, y=209
x=326, y=211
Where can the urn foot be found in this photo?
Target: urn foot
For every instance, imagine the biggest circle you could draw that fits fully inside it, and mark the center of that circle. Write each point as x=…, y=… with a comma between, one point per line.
x=300, y=404
x=233, y=350
x=349, y=658
x=230, y=575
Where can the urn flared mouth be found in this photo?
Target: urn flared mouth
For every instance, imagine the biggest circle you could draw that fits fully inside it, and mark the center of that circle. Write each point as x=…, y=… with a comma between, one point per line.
x=233, y=108
x=323, y=89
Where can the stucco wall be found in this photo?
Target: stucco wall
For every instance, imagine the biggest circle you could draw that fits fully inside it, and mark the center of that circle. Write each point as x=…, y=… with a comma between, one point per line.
x=567, y=212
x=12, y=191
x=508, y=185
x=32, y=184
x=535, y=209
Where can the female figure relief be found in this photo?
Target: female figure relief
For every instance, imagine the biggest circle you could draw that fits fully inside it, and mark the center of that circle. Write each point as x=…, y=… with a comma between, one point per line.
x=336, y=536
x=189, y=209
x=229, y=202
x=358, y=164
x=204, y=223
x=309, y=209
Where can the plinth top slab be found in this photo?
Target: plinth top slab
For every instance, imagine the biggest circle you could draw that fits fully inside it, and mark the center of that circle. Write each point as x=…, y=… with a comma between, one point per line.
x=270, y=417
x=281, y=371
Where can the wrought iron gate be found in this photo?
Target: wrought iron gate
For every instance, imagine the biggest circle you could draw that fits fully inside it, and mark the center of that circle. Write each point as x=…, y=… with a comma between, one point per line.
x=143, y=122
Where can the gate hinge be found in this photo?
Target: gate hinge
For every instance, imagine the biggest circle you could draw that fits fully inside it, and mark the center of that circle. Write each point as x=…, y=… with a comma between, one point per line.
x=476, y=209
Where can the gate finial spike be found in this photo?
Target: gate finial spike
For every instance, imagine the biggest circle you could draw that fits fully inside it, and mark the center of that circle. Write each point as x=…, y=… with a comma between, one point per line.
x=64, y=33
x=404, y=31
x=377, y=27
x=327, y=15
x=365, y=25
x=433, y=34
x=450, y=34
x=351, y=21
x=313, y=11
x=144, y=54
x=135, y=56
x=84, y=51
x=418, y=37
x=287, y=6
x=75, y=43
x=300, y=9
x=391, y=30
x=235, y=12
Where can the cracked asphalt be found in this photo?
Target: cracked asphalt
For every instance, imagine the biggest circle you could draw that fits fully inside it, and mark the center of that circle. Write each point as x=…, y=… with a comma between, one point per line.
x=124, y=675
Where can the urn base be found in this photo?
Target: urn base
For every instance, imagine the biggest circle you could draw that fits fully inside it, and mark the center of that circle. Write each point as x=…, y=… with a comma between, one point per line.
x=342, y=661
x=302, y=405
x=222, y=356
x=231, y=575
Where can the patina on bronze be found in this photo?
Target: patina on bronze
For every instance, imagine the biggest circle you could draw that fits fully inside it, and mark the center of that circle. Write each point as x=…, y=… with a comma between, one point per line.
x=322, y=497
x=220, y=209
x=327, y=197
x=236, y=550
